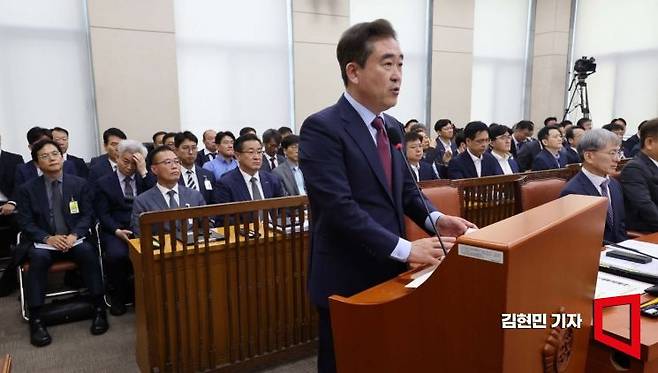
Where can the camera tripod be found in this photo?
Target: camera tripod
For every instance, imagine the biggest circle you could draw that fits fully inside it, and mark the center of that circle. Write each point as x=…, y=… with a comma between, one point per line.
x=581, y=88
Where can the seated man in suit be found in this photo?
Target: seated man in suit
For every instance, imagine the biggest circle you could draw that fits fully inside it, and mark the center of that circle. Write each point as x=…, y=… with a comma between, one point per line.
x=271, y=142
x=632, y=145
x=61, y=137
x=157, y=138
x=115, y=193
x=284, y=132
x=9, y=162
x=549, y=157
x=639, y=180
x=167, y=193
x=570, y=152
x=248, y=182
x=169, y=141
x=599, y=150
x=501, y=142
x=585, y=123
x=292, y=179
x=475, y=161
x=445, y=143
x=414, y=150
x=209, y=151
x=56, y=209
x=521, y=136
x=29, y=170
x=225, y=160
x=246, y=130
x=193, y=176
x=106, y=163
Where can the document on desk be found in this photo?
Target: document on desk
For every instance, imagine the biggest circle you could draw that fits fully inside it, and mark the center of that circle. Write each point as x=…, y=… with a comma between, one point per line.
x=609, y=285
x=650, y=268
x=49, y=247
x=420, y=277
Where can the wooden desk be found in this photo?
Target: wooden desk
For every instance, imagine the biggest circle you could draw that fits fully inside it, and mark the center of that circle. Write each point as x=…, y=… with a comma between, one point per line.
x=616, y=321
x=239, y=302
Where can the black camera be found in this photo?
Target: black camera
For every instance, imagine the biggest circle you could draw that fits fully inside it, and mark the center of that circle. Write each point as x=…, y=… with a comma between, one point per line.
x=585, y=66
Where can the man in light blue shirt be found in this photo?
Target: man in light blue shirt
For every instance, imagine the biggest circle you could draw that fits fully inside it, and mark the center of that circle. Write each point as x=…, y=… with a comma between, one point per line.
x=224, y=161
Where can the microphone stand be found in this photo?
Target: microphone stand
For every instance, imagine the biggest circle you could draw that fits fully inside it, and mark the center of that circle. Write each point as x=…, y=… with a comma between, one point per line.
x=435, y=229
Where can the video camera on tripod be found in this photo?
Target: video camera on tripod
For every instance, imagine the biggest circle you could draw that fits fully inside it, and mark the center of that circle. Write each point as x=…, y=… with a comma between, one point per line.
x=582, y=68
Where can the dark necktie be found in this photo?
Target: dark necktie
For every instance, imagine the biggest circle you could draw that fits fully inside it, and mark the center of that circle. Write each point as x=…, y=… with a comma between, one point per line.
x=383, y=150
x=254, y=189
x=272, y=163
x=604, y=193
x=128, y=191
x=191, y=183
x=172, y=201
x=212, y=156
x=58, y=209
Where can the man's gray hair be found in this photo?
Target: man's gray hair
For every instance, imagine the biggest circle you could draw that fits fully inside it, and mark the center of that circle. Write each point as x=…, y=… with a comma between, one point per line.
x=132, y=147
x=597, y=139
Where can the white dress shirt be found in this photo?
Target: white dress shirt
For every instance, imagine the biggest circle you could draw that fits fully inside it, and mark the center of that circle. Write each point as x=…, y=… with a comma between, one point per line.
x=477, y=162
x=164, y=190
x=503, y=160
x=247, y=180
x=597, y=180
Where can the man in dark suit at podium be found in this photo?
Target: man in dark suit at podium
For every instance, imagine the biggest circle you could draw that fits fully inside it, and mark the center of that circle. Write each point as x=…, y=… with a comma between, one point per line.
x=599, y=151
x=358, y=186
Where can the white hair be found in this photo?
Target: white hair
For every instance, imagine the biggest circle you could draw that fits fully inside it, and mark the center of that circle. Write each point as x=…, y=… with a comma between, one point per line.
x=132, y=147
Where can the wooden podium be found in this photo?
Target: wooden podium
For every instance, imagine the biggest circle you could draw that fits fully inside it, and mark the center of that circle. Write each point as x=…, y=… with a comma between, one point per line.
x=541, y=261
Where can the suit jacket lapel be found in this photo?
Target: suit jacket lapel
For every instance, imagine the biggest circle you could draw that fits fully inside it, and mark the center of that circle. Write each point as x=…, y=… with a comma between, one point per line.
x=471, y=165
x=42, y=199
x=355, y=127
x=289, y=178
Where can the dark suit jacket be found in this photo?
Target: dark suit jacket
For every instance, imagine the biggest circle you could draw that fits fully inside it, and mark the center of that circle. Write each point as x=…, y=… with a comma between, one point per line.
x=546, y=161
x=93, y=161
x=288, y=182
x=100, y=166
x=265, y=166
x=639, y=180
x=153, y=200
x=425, y=172
x=9, y=162
x=515, y=151
x=527, y=154
x=81, y=169
x=232, y=187
x=512, y=163
x=356, y=219
x=436, y=154
x=201, y=158
x=571, y=156
x=202, y=178
x=580, y=184
x=34, y=210
x=112, y=209
x=629, y=146
x=28, y=171
x=462, y=166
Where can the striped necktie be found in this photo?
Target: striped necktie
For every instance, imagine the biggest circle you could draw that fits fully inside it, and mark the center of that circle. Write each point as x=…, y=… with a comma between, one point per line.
x=190, y=183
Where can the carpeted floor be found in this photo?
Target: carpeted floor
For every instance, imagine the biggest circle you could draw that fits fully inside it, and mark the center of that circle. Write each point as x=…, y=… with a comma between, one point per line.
x=74, y=349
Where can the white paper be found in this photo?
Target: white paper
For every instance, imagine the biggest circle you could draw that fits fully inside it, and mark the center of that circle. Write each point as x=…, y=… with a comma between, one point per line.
x=609, y=285
x=49, y=247
x=650, y=268
x=645, y=247
x=419, y=280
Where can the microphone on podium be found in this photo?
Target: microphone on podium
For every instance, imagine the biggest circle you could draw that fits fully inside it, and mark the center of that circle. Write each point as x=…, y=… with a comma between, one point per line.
x=395, y=140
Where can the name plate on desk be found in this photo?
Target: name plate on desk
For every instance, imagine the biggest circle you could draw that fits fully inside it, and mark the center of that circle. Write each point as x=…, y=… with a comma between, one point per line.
x=481, y=254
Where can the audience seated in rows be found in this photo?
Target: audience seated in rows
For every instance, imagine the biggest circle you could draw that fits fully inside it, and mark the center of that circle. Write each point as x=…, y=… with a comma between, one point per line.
x=271, y=142
x=598, y=149
x=446, y=147
x=475, y=161
x=107, y=163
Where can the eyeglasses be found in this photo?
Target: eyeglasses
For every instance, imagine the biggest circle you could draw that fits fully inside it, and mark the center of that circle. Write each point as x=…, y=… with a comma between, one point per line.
x=253, y=152
x=504, y=137
x=168, y=162
x=54, y=155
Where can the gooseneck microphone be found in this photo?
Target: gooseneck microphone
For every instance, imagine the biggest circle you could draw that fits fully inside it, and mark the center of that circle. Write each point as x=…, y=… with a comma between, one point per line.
x=395, y=140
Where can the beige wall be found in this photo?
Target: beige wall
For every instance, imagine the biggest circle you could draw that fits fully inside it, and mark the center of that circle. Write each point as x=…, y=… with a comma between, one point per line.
x=134, y=61
x=549, y=69
x=452, y=60
x=317, y=26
